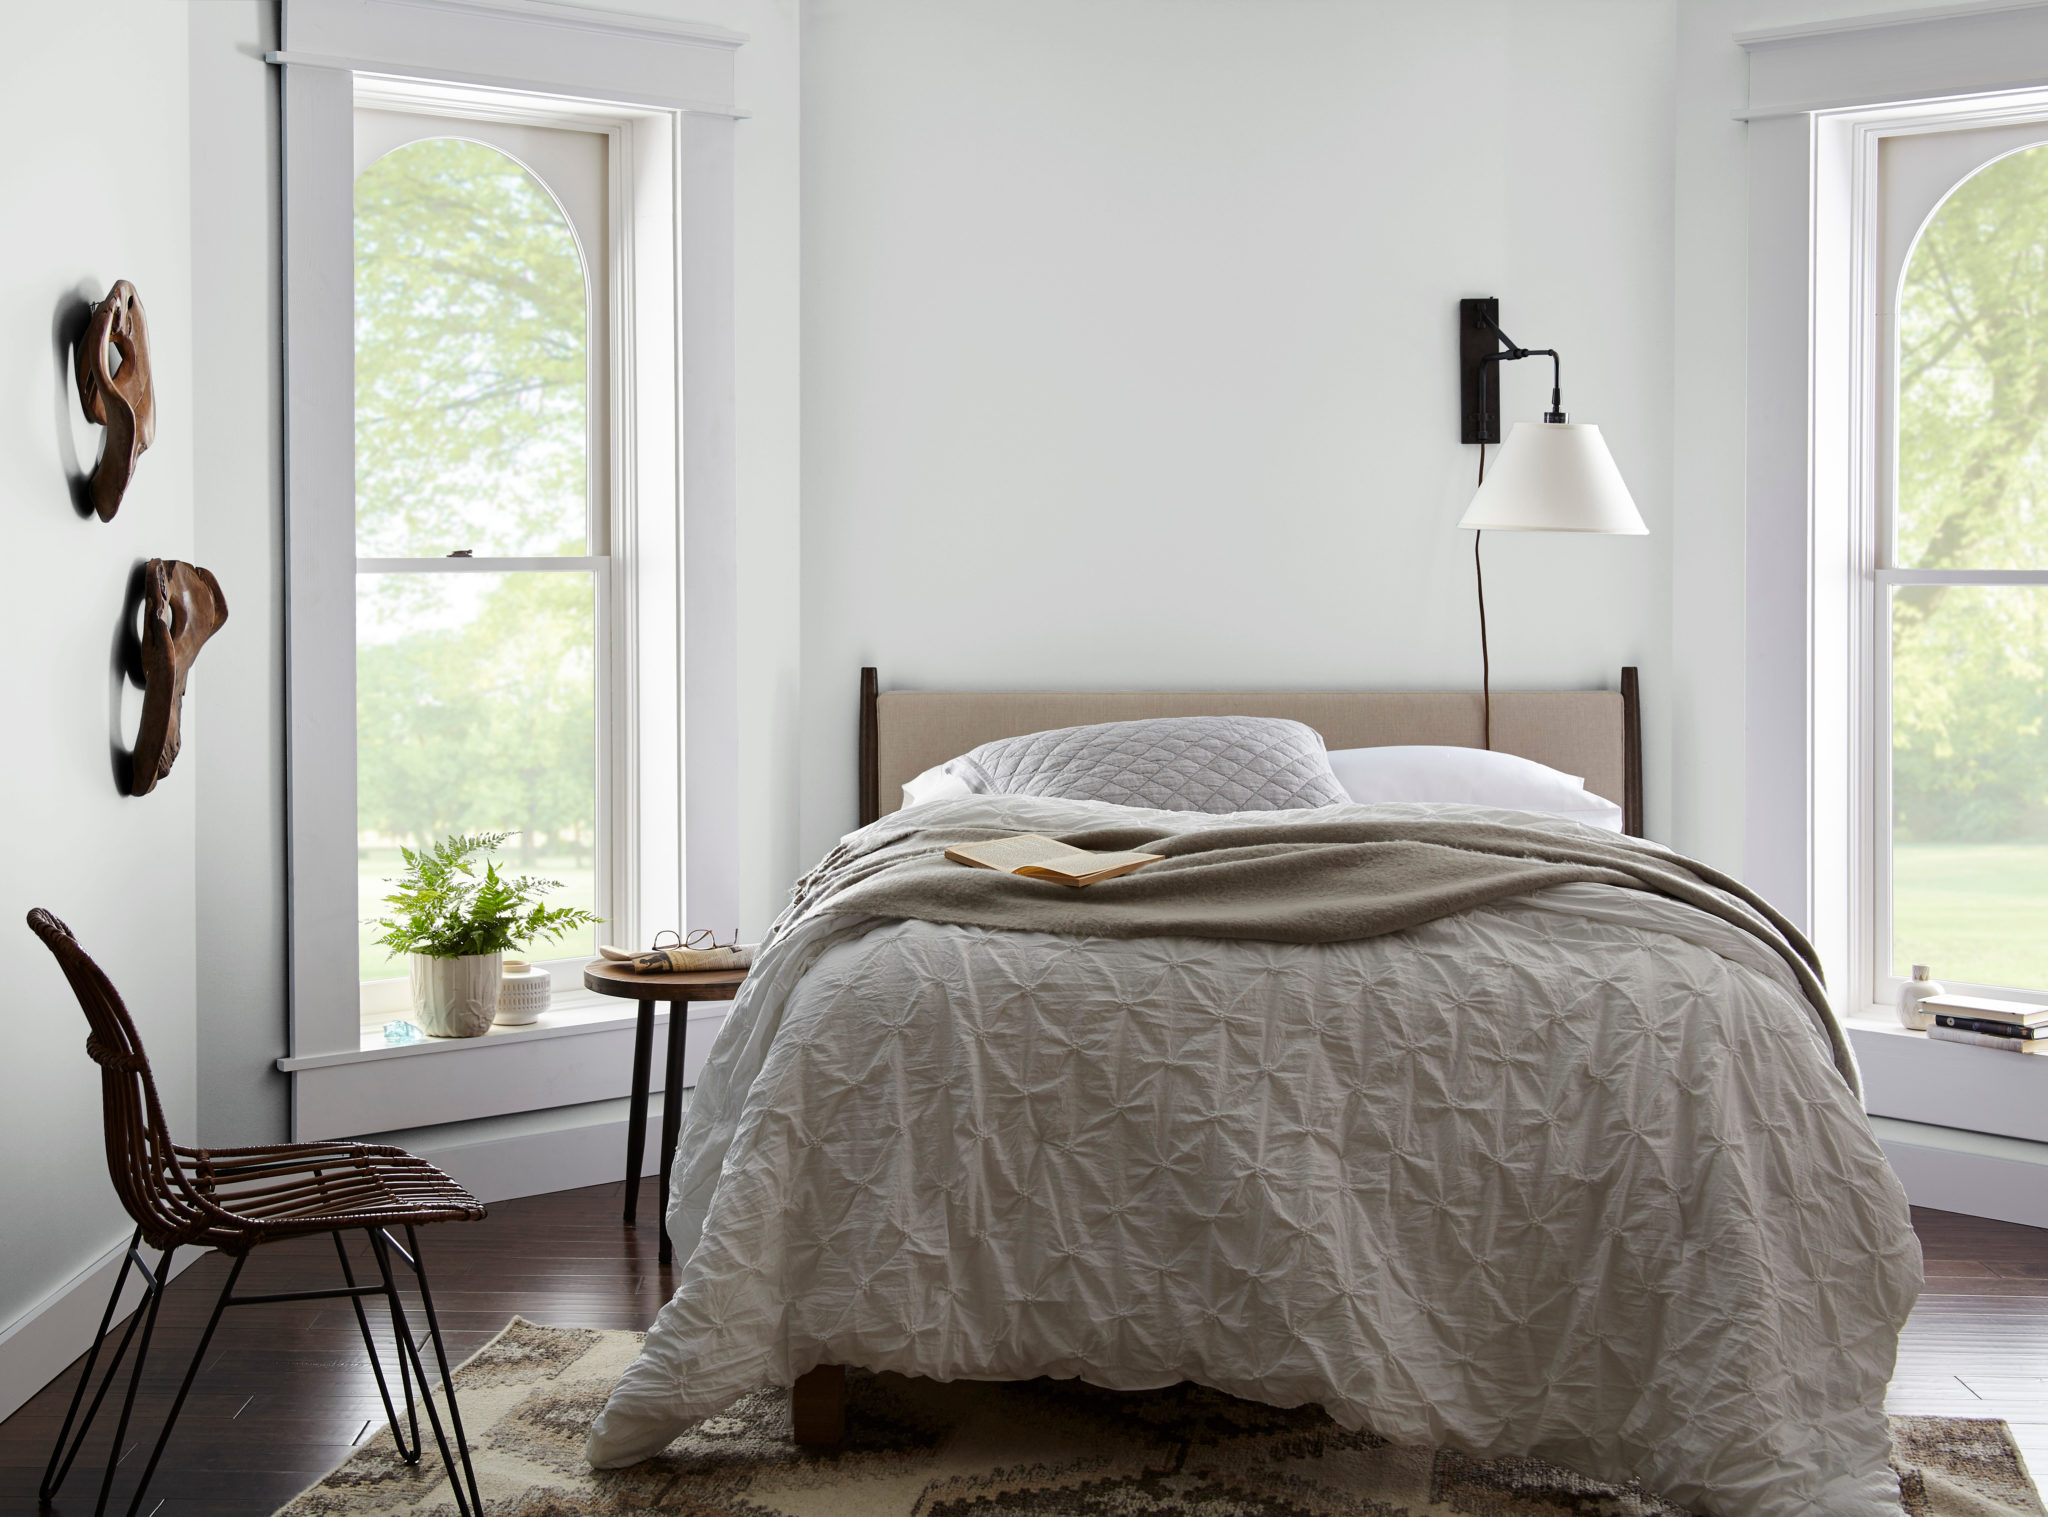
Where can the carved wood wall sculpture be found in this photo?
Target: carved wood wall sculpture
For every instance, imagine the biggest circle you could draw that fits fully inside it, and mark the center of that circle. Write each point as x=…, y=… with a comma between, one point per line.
x=182, y=608
x=122, y=400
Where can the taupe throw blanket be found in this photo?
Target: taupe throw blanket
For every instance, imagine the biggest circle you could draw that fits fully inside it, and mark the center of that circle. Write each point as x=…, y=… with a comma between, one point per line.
x=1296, y=881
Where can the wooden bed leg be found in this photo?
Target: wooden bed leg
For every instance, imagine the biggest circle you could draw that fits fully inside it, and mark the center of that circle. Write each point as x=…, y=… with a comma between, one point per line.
x=817, y=1405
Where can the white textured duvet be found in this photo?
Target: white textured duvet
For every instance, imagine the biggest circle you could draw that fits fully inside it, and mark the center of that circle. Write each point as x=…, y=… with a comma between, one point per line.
x=1570, y=1176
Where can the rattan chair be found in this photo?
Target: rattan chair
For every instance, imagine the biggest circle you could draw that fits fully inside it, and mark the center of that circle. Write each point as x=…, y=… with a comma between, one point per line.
x=234, y=1199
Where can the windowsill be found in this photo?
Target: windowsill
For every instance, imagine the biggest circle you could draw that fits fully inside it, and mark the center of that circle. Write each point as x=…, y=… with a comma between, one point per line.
x=1882, y=1019
x=1910, y=1077
x=571, y=1015
x=1882, y=1022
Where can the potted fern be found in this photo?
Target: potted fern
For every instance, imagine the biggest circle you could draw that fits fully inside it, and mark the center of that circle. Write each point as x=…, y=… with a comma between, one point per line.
x=455, y=924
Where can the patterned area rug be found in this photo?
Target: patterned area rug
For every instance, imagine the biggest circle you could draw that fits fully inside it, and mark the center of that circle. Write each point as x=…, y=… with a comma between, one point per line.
x=1047, y=1448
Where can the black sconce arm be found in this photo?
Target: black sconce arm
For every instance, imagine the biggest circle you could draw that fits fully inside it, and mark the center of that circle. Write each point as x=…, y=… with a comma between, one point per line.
x=1511, y=350
x=1482, y=348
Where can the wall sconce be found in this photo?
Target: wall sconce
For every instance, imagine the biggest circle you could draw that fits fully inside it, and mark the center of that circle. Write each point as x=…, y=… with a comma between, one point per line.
x=1553, y=476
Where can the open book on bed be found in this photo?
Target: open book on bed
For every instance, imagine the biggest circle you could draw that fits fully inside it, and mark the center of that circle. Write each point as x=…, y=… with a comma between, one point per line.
x=1043, y=858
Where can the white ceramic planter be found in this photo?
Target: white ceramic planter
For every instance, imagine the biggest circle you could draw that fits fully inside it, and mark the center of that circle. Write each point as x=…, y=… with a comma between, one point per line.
x=456, y=998
x=523, y=994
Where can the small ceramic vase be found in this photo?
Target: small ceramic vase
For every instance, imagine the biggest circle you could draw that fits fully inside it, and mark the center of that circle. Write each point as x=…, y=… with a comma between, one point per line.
x=524, y=995
x=1911, y=993
x=456, y=998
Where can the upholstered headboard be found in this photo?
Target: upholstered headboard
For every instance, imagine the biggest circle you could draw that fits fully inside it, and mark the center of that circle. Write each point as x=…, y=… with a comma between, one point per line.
x=1594, y=733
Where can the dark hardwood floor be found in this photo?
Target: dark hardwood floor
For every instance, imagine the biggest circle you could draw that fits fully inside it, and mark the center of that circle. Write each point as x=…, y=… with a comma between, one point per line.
x=1977, y=1343
x=287, y=1390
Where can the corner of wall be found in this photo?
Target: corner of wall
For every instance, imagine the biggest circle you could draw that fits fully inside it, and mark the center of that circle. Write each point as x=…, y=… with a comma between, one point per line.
x=239, y=857
x=1709, y=354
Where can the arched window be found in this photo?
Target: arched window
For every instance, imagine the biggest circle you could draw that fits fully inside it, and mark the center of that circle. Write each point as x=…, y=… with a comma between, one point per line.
x=472, y=358
x=1962, y=629
x=491, y=299
x=480, y=533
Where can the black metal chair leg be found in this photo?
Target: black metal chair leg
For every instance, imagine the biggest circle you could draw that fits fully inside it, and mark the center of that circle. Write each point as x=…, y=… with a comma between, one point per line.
x=379, y=1241
x=55, y=1471
x=419, y=1270
x=154, y=1299
x=399, y=1339
x=185, y=1386
x=377, y=1365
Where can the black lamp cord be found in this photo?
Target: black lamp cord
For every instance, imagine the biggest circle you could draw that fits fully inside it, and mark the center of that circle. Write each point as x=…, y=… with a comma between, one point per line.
x=1510, y=351
x=1485, y=663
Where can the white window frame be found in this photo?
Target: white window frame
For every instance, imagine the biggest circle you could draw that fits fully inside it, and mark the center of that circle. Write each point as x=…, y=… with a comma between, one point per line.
x=661, y=92
x=1855, y=477
x=609, y=510
x=1807, y=463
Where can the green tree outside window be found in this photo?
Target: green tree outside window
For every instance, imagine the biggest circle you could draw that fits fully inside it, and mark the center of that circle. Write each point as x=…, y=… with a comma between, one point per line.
x=475, y=706
x=1970, y=663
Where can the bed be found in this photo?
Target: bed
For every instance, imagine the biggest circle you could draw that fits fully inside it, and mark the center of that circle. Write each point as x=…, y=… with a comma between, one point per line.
x=1577, y=1169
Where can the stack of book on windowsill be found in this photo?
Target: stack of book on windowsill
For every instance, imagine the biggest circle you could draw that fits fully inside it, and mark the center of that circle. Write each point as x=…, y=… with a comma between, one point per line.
x=2010, y=1026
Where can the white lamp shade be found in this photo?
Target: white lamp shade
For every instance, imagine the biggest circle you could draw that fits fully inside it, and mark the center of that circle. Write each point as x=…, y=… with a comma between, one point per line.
x=1554, y=476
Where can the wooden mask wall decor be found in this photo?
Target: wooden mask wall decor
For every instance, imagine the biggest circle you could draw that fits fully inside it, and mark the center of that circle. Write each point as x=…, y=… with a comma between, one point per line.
x=122, y=400
x=182, y=607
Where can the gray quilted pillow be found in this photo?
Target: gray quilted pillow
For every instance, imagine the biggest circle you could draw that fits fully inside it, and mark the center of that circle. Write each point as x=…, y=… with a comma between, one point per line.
x=1176, y=763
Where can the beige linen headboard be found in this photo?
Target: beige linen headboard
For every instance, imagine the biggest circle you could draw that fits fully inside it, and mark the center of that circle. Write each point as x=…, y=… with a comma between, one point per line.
x=1594, y=733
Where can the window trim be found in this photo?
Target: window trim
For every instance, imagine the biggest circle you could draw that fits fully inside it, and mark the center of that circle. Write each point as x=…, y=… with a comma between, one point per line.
x=1795, y=368
x=1804, y=87
x=616, y=702
x=1853, y=467
x=663, y=90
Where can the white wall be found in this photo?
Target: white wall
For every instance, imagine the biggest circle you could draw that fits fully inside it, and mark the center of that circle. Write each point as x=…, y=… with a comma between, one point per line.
x=1129, y=350
x=767, y=233
x=1710, y=388
x=96, y=189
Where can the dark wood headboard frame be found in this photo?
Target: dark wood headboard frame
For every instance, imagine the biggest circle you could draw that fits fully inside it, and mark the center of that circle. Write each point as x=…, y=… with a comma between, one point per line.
x=1631, y=738
x=1631, y=753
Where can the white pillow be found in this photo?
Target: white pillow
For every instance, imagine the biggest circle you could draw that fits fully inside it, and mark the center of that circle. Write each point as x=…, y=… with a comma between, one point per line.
x=1475, y=776
x=935, y=784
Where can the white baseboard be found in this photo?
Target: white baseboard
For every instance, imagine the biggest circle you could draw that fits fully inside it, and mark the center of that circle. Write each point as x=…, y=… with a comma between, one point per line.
x=533, y=1153
x=1977, y=1174
x=40, y=1344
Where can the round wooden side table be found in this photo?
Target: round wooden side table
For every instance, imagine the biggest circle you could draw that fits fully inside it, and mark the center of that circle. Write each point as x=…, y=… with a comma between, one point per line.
x=678, y=990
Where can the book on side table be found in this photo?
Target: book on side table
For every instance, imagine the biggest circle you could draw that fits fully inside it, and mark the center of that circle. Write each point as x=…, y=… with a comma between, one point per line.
x=2009, y=1026
x=1043, y=858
